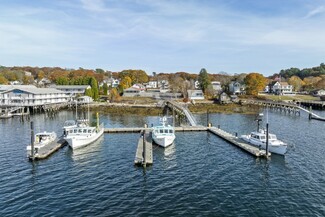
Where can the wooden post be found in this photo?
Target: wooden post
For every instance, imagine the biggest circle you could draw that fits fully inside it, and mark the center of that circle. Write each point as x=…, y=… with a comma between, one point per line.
x=97, y=121
x=207, y=117
x=144, y=150
x=310, y=115
x=267, y=140
x=32, y=139
x=173, y=117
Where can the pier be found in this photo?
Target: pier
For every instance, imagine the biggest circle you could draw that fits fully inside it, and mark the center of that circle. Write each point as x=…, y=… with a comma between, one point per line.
x=253, y=150
x=289, y=108
x=48, y=150
x=143, y=155
x=232, y=139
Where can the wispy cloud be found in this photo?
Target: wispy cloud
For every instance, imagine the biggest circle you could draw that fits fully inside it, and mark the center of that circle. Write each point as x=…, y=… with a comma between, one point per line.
x=127, y=33
x=316, y=11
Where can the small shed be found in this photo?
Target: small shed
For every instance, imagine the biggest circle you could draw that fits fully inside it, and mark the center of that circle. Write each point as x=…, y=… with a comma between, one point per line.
x=224, y=98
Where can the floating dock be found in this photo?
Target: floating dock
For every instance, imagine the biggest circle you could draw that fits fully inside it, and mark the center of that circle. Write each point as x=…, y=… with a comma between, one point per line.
x=238, y=142
x=143, y=155
x=48, y=150
x=253, y=150
x=139, y=129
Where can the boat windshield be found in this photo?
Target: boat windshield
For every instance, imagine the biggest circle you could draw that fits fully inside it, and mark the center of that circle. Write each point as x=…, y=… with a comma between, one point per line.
x=273, y=137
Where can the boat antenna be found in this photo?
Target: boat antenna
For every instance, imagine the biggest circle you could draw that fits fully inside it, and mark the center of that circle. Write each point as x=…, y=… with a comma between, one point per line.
x=267, y=132
x=76, y=110
x=88, y=112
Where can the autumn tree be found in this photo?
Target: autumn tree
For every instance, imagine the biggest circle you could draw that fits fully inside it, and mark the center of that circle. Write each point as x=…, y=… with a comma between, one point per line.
x=3, y=80
x=126, y=82
x=254, y=82
x=296, y=82
x=114, y=96
x=310, y=82
x=40, y=75
x=320, y=84
x=137, y=76
x=204, y=79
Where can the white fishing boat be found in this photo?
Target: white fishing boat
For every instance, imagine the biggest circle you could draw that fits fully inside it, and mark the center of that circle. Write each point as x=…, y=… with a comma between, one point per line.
x=259, y=139
x=80, y=135
x=6, y=115
x=41, y=140
x=163, y=135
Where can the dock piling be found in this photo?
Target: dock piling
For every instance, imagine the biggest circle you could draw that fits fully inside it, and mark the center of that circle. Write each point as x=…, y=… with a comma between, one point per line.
x=32, y=139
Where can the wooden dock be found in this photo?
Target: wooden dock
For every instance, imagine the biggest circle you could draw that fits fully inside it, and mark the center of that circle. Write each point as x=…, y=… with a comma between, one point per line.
x=48, y=150
x=238, y=142
x=139, y=129
x=146, y=140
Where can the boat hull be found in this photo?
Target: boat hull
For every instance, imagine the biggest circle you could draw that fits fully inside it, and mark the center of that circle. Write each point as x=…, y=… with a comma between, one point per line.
x=79, y=142
x=280, y=149
x=164, y=141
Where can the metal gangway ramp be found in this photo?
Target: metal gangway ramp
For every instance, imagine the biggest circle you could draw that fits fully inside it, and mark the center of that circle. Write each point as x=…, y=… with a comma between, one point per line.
x=182, y=109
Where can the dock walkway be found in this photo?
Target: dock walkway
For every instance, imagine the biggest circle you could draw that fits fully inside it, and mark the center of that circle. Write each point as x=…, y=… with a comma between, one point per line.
x=140, y=159
x=45, y=152
x=238, y=142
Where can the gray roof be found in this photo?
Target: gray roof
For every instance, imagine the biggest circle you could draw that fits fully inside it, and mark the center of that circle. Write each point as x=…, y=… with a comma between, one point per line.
x=9, y=87
x=37, y=90
x=71, y=86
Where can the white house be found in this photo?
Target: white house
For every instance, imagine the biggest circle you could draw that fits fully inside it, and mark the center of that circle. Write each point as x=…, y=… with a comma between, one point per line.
x=320, y=92
x=112, y=82
x=195, y=94
x=152, y=84
x=282, y=88
x=27, y=96
x=236, y=88
x=216, y=85
x=15, y=82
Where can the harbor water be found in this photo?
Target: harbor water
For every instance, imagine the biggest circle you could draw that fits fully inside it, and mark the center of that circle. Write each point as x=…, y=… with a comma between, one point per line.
x=199, y=175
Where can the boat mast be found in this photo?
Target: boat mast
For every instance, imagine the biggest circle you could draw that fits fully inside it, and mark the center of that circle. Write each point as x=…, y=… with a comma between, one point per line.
x=267, y=132
x=88, y=112
x=76, y=110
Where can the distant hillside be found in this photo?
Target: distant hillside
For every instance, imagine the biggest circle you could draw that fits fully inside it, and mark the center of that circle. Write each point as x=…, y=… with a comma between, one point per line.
x=303, y=73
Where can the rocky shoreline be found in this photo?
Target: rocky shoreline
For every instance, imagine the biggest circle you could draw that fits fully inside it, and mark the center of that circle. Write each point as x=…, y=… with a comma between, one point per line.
x=157, y=109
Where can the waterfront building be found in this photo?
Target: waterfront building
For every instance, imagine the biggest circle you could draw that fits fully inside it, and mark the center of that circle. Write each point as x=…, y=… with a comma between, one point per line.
x=73, y=90
x=32, y=96
x=9, y=87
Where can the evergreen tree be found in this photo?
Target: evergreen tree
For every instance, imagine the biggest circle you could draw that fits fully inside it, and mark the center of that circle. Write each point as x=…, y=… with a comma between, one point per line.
x=204, y=79
x=94, y=88
x=105, y=89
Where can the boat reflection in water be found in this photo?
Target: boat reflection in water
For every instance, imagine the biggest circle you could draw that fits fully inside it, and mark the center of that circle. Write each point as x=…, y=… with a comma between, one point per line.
x=87, y=152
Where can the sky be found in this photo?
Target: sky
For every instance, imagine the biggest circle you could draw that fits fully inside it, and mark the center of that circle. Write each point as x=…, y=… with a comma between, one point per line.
x=232, y=36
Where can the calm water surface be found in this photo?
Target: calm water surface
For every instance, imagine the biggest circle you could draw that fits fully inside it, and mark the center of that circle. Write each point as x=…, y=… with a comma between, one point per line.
x=199, y=175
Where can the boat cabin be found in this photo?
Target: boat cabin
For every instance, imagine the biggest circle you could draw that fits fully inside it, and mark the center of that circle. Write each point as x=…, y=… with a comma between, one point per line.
x=261, y=136
x=164, y=130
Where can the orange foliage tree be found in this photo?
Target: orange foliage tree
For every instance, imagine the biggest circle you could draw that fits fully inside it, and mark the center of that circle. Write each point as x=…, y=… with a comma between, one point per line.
x=255, y=82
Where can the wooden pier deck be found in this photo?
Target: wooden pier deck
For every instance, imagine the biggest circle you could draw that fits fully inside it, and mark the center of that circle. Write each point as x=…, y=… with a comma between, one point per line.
x=48, y=150
x=139, y=129
x=255, y=151
x=238, y=142
x=139, y=155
